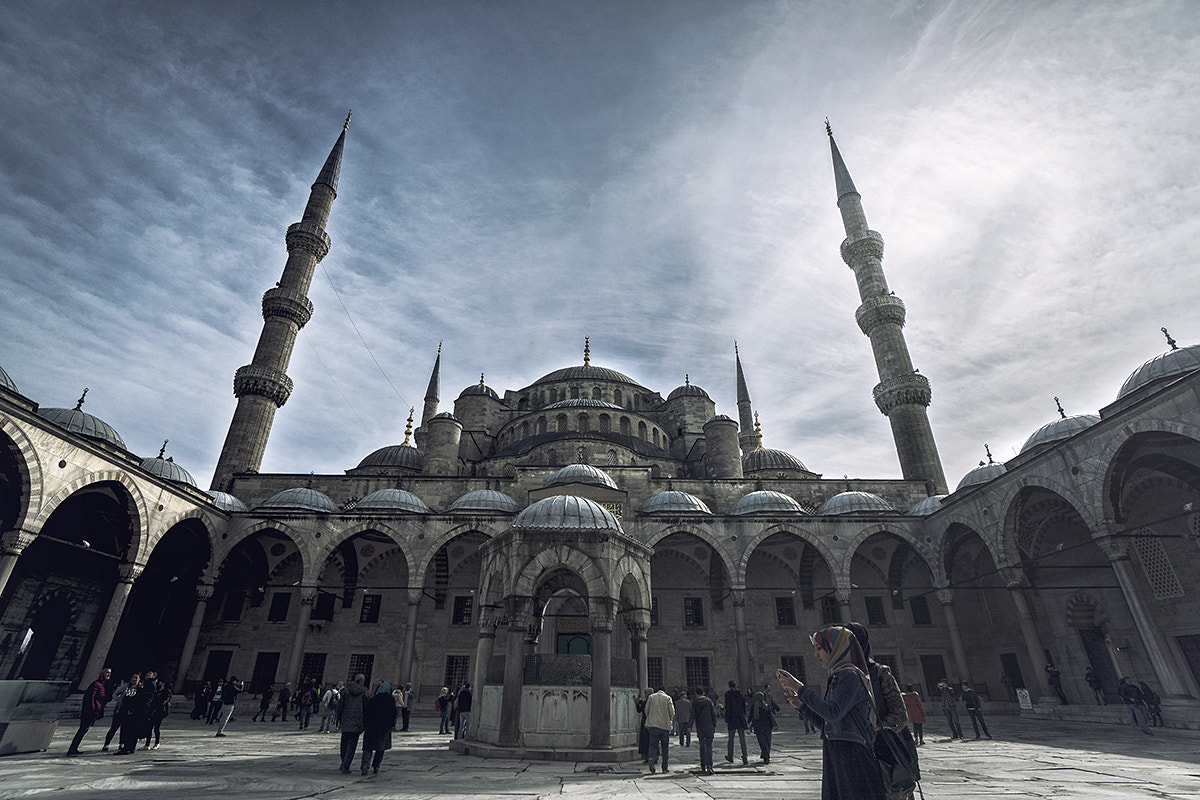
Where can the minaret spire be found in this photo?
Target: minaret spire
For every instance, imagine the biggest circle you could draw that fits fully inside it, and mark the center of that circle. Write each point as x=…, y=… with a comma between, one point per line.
x=902, y=394
x=262, y=386
x=747, y=439
x=430, y=409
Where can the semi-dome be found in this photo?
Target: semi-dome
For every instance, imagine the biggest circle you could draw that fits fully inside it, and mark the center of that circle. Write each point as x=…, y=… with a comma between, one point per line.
x=299, y=499
x=486, y=500
x=855, y=503
x=583, y=403
x=672, y=502
x=226, y=501
x=766, y=502
x=585, y=372
x=1171, y=364
x=82, y=423
x=400, y=456
x=567, y=511
x=770, y=461
x=168, y=469
x=479, y=389
x=981, y=474
x=688, y=390
x=580, y=473
x=7, y=382
x=927, y=506
x=392, y=500
x=1058, y=430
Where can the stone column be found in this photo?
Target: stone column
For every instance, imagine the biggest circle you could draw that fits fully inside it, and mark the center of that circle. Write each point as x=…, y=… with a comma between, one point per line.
x=410, y=635
x=601, y=717
x=514, y=672
x=740, y=637
x=204, y=593
x=845, y=614
x=127, y=573
x=638, y=632
x=1157, y=650
x=483, y=655
x=308, y=598
x=946, y=597
x=1033, y=644
x=12, y=544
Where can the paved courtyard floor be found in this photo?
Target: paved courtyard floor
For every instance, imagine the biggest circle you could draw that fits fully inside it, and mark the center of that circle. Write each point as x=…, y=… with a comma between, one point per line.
x=274, y=761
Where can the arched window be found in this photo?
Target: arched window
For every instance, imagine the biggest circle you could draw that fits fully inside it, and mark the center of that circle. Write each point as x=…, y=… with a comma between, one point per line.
x=541, y=425
x=642, y=430
x=625, y=426
x=525, y=430
x=617, y=396
x=574, y=392
x=605, y=423
x=562, y=423
x=554, y=395
x=656, y=437
x=523, y=404
x=596, y=393
x=584, y=423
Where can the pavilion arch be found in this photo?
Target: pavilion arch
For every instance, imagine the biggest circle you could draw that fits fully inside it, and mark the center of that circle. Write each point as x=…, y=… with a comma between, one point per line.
x=444, y=538
x=701, y=532
x=550, y=559
x=139, y=529
x=856, y=542
x=28, y=485
x=1115, y=453
x=633, y=578
x=805, y=536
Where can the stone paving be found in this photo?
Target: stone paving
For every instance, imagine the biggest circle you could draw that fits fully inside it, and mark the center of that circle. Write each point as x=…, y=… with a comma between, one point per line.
x=273, y=761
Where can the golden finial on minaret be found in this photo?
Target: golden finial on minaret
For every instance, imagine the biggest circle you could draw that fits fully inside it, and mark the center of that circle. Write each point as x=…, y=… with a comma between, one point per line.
x=79, y=402
x=163, y=449
x=408, y=428
x=1061, y=413
x=587, y=351
x=757, y=430
x=828, y=129
x=346, y=127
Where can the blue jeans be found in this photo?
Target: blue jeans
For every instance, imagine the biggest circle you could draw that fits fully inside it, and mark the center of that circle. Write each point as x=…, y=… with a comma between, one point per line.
x=952, y=719
x=659, y=737
x=706, y=744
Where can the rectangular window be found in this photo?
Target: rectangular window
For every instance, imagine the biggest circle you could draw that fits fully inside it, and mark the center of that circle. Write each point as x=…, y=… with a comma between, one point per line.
x=654, y=670
x=456, y=671
x=464, y=605
x=232, y=610
x=280, y=603
x=323, y=608
x=695, y=670
x=653, y=612
x=831, y=614
x=875, y=615
x=693, y=612
x=312, y=667
x=920, y=611
x=795, y=666
x=785, y=611
x=370, y=608
x=361, y=664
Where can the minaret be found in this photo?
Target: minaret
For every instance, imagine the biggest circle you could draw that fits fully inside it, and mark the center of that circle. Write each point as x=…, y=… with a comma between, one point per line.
x=902, y=393
x=263, y=385
x=430, y=409
x=747, y=439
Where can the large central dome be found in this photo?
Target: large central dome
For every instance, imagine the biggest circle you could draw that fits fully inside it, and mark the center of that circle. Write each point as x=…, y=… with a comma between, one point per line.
x=586, y=372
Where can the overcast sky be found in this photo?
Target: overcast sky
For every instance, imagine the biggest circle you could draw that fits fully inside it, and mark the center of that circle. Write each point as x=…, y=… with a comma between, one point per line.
x=654, y=175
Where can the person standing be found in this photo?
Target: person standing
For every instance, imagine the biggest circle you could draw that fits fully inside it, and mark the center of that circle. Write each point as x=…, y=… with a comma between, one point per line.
x=704, y=717
x=639, y=705
x=92, y=709
x=118, y=701
x=285, y=697
x=1153, y=704
x=229, y=694
x=735, y=720
x=950, y=709
x=200, y=700
x=1131, y=695
x=683, y=718
x=916, y=711
x=1010, y=686
x=660, y=713
x=329, y=708
x=406, y=706
x=379, y=717
x=462, y=705
x=762, y=721
x=1055, y=678
x=134, y=713
x=214, y=700
x=352, y=711
x=444, y=704
x=1095, y=683
x=264, y=704
x=307, y=700
x=159, y=709
x=974, y=709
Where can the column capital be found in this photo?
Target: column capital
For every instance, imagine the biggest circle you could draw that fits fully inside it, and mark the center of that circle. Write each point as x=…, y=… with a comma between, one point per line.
x=843, y=596
x=489, y=621
x=415, y=595
x=738, y=597
x=204, y=592
x=945, y=595
x=129, y=571
x=15, y=541
x=601, y=613
x=308, y=595
x=1116, y=542
x=637, y=628
x=1014, y=578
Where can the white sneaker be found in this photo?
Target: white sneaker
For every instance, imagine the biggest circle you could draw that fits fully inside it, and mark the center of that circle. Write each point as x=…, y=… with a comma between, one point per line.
x=154, y=746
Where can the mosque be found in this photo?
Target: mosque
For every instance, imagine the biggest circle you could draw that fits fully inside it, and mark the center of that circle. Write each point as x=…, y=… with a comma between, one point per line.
x=587, y=531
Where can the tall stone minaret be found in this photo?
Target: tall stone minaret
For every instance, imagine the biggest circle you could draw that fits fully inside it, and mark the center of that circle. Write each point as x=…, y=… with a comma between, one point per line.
x=902, y=393
x=747, y=439
x=263, y=385
x=430, y=409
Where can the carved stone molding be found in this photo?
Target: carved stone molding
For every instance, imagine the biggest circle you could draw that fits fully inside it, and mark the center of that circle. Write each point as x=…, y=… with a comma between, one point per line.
x=204, y=591
x=876, y=311
x=263, y=381
x=129, y=571
x=293, y=306
x=867, y=246
x=14, y=542
x=309, y=237
x=906, y=390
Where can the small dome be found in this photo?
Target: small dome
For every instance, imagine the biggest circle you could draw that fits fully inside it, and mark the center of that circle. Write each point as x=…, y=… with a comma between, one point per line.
x=855, y=503
x=981, y=474
x=721, y=418
x=486, y=500
x=299, y=500
x=82, y=423
x=927, y=506
x=392, y=500
x=582, y=403
x=770, y=461
x=226, y=501
x=766, y=502
x=579, y=473
x=674, y=503
x=1058, y=430
x=168, y=469
x=1170, y=364
x=479, y=389
x=566, y=511
x=688, y=390
x=445, y=415
x=7, y=382
x=399, y=456
x=585, y=373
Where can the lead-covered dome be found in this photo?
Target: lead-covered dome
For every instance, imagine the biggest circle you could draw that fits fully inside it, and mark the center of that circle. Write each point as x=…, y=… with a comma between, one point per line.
x=226, y=501
x=981, y=474
x=568, y=512
x=7, y=382
x=1171, y=364
x=580, y=473
x=583, y=403
x=766, y=502
x=688, y=390
x=168, y=469
x=82, y=423
x=395, y=456
x=299, y=499
x=487, y=501
x=765, y=460
x=855, y=503
x=585, y=372
x=392, y=500
x=1058, y=430
x=672, y=502
x=927, y=506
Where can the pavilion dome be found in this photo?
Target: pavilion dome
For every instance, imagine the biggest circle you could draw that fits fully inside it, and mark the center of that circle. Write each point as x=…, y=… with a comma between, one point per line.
x=1171, y=364
x=927, y=506
x=299, y=499
x=486, y=500
x=855, y=503
x=764, y=460
x=7, y=382
x=981, y=474
x=479, y=389
x=688, y=390
x=672, y=502
x=398, y=456
x=226, y=501
x=580, y=473
x=168, y=469
x=1058, y=430
x=82, y=423
x=392, y=500
x=766, y=502
x=568, y=512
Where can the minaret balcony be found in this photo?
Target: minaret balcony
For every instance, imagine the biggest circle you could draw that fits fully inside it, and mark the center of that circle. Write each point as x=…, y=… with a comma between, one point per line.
x=867, y=246
x=308, y=236
x=264, y=382
x=883, y=310
x=293, y=306
x=905, y=390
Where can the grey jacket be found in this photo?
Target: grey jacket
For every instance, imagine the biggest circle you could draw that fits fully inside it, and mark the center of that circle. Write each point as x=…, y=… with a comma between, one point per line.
x=351, y=707
x=844, y=713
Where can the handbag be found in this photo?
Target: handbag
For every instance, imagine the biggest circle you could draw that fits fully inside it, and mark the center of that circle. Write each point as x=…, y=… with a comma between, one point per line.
x=896, y=753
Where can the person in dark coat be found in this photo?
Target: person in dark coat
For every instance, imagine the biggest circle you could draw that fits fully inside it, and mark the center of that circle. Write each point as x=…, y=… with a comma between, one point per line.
x=735, y=720
x=704, y=718
x=352, y=712
x=118, y=701
x=379, y=717
x=639, y=705
x=762, y=721
x=135, y=713
x=158, y=709
x=93, y=708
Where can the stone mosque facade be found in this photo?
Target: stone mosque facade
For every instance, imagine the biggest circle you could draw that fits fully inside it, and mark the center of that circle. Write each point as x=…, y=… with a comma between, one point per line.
x=585, y=530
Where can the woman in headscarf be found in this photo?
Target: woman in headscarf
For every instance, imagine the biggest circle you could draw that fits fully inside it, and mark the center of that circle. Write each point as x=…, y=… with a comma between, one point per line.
x=846, y=716
x=379, y=717
x=639, y=705
x=762, y=722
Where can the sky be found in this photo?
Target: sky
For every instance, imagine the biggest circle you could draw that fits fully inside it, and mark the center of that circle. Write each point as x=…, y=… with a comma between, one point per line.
x=653, y=175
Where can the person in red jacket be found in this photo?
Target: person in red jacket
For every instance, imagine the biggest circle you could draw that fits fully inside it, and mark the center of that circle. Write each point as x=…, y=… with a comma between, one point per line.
x=916, y=711
x=93, y=708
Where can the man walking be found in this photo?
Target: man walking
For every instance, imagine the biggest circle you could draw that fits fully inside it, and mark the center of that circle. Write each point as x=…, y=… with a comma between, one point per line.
x=735, y=720
x=444, y=705
x=405, y=705
x=660, y=712
x=462, y=705
x=974, y=710
x=93, y=708
x=704, y=717
x=352, y=712
x=232, y=689
x=1131, y=695
x=683, y=718
x=950, y=709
